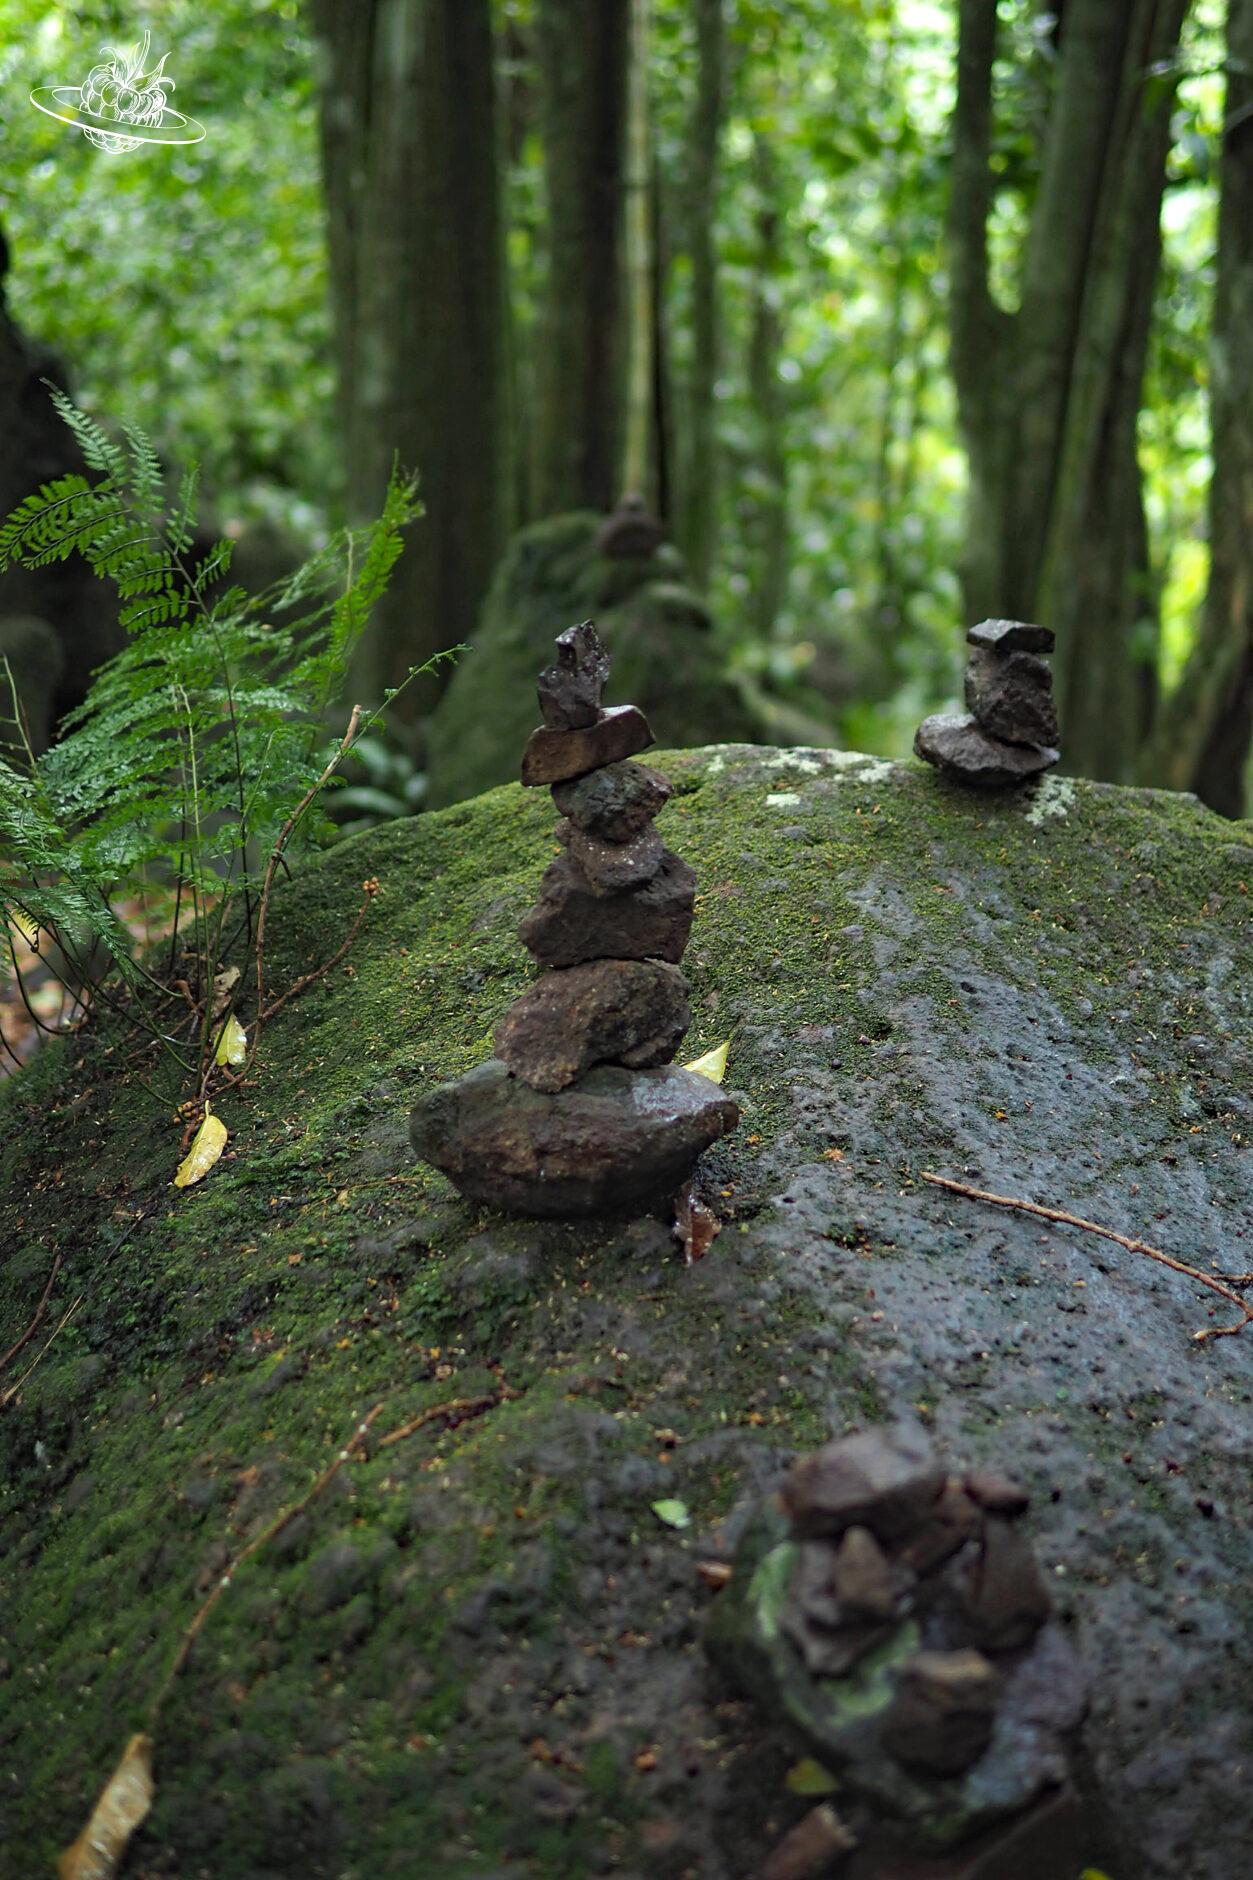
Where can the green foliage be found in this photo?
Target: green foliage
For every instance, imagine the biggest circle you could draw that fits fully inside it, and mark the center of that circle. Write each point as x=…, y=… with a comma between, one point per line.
x=199, y=754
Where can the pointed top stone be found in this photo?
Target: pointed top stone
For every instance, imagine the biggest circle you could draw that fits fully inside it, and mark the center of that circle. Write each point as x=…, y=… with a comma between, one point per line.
x=1012, y=636
x=570, y=691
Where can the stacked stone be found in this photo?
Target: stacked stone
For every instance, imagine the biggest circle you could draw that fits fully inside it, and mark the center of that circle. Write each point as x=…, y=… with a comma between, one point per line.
x=582, y=1110
x=1009, y=732
x=896, y=1613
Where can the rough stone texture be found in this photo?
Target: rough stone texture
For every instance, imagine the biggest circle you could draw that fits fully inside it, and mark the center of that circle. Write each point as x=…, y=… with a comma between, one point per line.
x=1009, y=1601
x=1047, y=993
x=941, y=1718
x=632, y=1012
x=666, y=655
x=615, y=803
x=572, y=921
x=911, y=1691
x=615, y=1141
x=954, y=742
x=1011, y=695
x=613, y=864
x=1012, y=636
x=886, y=1480
x=571, y=690
x=551, y=754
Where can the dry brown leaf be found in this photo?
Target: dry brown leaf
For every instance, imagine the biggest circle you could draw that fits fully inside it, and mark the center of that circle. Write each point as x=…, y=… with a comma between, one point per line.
x=224, y=983
x=124, y=1801
x=696, y=1227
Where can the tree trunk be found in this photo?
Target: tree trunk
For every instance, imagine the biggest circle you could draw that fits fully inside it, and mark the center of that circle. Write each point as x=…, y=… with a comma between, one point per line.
x=582, y=48
x=640, y=391
x=1203, y=739
x=412, y=186
x=768, y=523
x=1050, y=395
x=700, y=469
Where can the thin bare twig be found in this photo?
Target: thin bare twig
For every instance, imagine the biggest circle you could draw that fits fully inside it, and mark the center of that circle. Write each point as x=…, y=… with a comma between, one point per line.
x=1108, y=1233
x=36, y=1361
x=40, y=1309
x=276, y=1526
x=456, y=1410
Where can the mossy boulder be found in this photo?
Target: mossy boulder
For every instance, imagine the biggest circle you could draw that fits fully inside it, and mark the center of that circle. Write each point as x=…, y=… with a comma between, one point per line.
x=479, y=1652
x=667, y=656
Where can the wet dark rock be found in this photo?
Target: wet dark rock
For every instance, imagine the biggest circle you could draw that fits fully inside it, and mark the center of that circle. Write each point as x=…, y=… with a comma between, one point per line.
x=998, y=1493
x=1008, y=1600
x=954, y=742
x=570, y=691
x=1012, y=636
x=951, y=1522
x=629, y=533
x=552, y=754
x=614, y=864
x=941, y=1718
x=886, y=1480
x=614, y=1141
x=631, y=1012
x=1011, y=696
x=865, y=1581
x=615, y=802
x=573, y=921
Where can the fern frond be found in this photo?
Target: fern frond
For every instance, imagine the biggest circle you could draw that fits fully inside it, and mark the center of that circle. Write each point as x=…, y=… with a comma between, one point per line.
x=99, y=450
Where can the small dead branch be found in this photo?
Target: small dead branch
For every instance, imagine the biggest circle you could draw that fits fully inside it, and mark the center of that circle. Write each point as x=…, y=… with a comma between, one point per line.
x=36, y=1361
x=1123, y=1240
x=459, y=1410
x=456, y=1411
x=276, y=1526
x=40, y=1309
x=370, y=888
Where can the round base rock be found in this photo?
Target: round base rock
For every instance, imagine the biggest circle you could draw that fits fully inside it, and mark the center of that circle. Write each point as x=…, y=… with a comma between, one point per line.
x=954, y=742
x=613, y=1142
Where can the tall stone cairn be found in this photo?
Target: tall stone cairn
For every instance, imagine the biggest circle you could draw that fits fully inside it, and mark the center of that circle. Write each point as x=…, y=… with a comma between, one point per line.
x=582, y=1110
x=1009, y=732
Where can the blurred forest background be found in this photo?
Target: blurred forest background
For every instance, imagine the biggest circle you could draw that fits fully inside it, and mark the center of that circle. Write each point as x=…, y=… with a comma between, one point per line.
x=896, y=314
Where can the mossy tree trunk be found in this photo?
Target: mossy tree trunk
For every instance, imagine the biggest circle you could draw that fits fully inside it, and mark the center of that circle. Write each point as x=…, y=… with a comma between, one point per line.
x=700, y=457
x=409, y=138
x=1203, y=740
x=1048, y=396
x=583, y=55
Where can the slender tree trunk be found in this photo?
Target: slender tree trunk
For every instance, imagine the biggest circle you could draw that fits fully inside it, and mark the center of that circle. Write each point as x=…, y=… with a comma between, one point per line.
x=412, y=187
x=1203, y=739
x=640, y=373
x=700, y=468
x=1049, y=396
x=582, y=49
x=769, y=528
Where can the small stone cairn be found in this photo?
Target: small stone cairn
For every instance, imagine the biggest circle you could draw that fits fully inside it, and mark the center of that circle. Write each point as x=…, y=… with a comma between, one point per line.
x=582, y=1110
x=1009, y=732
x=895, y=1614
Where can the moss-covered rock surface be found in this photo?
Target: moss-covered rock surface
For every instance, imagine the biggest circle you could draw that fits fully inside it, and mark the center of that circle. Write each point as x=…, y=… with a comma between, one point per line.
x=478, y=1653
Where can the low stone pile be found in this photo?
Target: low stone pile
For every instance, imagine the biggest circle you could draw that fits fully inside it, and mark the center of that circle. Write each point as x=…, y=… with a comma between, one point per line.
x=895, y=1614
x=582, y=1110
x=1009, y=731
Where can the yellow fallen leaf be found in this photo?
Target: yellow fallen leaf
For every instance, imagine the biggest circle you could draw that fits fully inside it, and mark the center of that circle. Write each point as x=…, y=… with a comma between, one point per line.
x=206, y=1146
x=713, y=1065
x=232, y=1047
x=124, y=1801
x=808, y=1777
